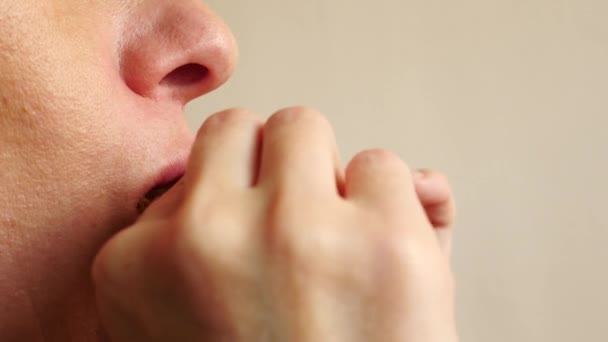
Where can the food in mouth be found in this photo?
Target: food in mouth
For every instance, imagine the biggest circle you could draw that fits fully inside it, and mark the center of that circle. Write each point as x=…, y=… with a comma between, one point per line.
x=153, y=195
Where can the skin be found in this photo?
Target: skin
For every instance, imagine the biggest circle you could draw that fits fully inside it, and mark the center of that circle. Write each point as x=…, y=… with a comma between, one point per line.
x=91, y=112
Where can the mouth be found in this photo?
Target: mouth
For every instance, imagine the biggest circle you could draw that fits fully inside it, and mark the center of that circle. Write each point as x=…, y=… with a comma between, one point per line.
x=163, y=183
x=153, y=195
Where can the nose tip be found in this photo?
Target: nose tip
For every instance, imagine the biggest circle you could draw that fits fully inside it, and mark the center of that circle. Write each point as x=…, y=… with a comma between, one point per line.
x=176, y=51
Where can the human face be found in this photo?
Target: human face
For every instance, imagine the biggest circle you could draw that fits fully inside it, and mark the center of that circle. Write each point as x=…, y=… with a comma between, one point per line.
x=91, y=119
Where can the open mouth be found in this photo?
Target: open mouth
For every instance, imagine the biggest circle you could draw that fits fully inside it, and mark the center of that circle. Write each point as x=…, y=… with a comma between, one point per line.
x=153, y=195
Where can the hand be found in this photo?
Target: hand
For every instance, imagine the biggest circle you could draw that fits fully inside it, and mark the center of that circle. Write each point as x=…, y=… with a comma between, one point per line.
x=267, y=238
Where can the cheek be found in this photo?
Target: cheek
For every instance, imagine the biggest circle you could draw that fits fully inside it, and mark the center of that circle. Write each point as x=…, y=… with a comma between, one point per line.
x=63, y=127
x=59, y=130
x=52, y=82
x=80, y=134
x=78, y=140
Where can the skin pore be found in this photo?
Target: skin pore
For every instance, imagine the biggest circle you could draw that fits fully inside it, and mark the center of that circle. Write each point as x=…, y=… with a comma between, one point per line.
x=91, y=120
x=91, y=109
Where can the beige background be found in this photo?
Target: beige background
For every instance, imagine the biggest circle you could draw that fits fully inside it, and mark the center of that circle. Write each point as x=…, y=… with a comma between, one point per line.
x=508, y=97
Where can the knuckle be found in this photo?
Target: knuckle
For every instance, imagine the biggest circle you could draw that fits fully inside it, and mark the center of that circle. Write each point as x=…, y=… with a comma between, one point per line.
x=298, y=240
x=234, y=115
x=310, y=244
x=228, y=118
x=444, y=196
x=380, y=159
x=392, y=234
x=299, y=115
x=212, y=235
x=283, y=224
x=308, y=253
x=399, y=247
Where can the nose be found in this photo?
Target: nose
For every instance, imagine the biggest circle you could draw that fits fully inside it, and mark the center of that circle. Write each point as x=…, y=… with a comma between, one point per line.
x=175, y=50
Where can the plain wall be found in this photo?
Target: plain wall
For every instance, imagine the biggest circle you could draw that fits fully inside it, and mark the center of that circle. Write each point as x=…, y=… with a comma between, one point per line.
x=509, y=98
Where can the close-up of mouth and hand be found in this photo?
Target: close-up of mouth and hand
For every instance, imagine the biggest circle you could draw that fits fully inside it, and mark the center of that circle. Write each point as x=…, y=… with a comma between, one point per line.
x=249, y=244
x=250, y=230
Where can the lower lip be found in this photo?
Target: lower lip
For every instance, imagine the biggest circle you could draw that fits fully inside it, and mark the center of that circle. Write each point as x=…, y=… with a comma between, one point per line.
x=170, y=173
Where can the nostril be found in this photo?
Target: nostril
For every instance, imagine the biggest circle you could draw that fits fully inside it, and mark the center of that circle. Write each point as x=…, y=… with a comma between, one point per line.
x=185, y=75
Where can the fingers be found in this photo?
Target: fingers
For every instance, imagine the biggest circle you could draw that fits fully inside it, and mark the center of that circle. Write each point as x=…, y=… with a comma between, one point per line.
x=379, y=179
x=436, y=196
x=294, y=151
x=225, y=154
x=299, y=154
